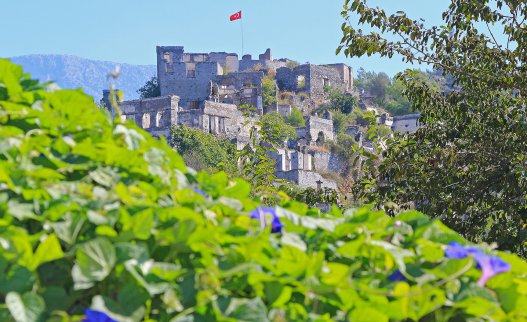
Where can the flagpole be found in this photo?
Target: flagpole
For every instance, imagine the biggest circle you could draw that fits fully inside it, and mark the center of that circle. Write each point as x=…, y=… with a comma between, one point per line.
x=241, y=23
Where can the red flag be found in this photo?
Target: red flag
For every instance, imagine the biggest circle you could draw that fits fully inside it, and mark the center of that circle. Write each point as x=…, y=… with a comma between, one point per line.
x=236, y=16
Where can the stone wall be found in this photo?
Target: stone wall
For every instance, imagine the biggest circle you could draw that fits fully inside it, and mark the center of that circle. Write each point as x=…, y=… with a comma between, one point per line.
x=284, y=109
x=386, y=119
x=241, y=88
x=166, y=57
x=346, y=74
x=191, y=84
x=229, y=61
x=321, y=161
x=288, y=159
x=405, y=123
x=215, y=118
x=155, y=115
x=312, y=79
x=294, y=79
x=307, y=179
x=327, y=162
x=318, y=131
x=321, y=77
x=264, y=62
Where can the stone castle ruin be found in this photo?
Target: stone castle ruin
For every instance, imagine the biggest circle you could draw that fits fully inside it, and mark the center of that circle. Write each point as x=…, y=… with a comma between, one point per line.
x=205, y=90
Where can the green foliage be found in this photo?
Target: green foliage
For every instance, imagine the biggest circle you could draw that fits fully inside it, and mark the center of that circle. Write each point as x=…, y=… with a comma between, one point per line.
x=254, y=160
x=467, y=164
x=383, y=131
x=268, y=91
x=397, y=103
x=96, y=213
x=274, y=123
x=388, y=93
x=341, y=120
x=296, y=118
x=150, y=89
x=376, y=84
x=292, y=64
x=345, y=147
x=301, y=82
x=204, y=151
x=344, y=103
x=314, y=197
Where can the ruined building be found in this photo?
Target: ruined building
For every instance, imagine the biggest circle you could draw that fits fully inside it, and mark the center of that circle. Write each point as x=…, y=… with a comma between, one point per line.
x=204, y=91
x=307, y=86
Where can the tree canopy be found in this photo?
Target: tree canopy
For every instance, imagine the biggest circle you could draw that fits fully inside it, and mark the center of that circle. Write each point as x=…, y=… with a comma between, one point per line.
x=467, y=164
x=150, y=89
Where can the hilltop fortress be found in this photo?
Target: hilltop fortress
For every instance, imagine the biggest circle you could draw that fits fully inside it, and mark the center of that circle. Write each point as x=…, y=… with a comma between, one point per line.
x=205, y=90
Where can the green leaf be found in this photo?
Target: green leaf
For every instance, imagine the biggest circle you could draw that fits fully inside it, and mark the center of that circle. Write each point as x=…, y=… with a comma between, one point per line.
x=26, y=308
x=294, y=240
x=69, y=229
x=238, y=189
x=47, y=251
x=143, y=223
x=367, y=314
x=277, y=294
x=481, y=308
x=56, y=298
x=17, y=279
x=334, y=273
x=248, y=310
x=94, y=262
x=122, y=312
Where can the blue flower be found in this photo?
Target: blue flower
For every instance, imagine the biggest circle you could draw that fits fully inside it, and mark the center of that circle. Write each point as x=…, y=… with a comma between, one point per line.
x=199, y=191
x=489, y=265
x=456, y=250
x=397, y=276
x=266, y=214
x=96, y=316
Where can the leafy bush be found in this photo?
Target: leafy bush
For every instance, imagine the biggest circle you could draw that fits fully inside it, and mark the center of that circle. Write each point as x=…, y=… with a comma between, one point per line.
x=150, y=89
x=205, y=151
x=345, y=147
x=342, y=120
x=274, y=122
x=296, y=118
x=96, y=213
x=344, y=103
x=268, y=91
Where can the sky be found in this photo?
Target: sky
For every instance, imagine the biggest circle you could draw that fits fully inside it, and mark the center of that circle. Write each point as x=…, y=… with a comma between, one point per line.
x=127, y=31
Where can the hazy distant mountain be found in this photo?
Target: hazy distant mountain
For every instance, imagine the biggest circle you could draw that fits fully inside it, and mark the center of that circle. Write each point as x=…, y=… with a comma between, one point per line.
x=74, y=72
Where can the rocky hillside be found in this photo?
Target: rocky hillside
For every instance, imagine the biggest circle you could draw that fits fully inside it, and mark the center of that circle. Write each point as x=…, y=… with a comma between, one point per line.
x=74, y=72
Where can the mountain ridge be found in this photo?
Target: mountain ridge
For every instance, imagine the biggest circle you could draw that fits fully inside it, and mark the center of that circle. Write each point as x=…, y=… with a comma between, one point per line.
x=72, y=72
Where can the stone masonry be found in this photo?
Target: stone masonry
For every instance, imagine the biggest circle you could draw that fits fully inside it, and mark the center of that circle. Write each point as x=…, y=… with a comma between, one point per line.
x=314, y=79
x=204, y=90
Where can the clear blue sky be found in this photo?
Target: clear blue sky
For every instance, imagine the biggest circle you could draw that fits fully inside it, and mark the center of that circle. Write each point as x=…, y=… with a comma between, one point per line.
x=127, y=31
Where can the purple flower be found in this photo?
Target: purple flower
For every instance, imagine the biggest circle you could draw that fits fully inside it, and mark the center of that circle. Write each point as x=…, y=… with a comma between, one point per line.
x=199, y=191
x=489, y=265
x=96, y=316
x=456, y=250
x=266, y=214
x=397, y=276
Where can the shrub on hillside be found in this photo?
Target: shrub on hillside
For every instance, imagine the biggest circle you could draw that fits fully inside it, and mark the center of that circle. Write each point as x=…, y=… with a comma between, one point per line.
x=268, y=91
x=205, y=151
x=97, y=214
x=296, y=118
